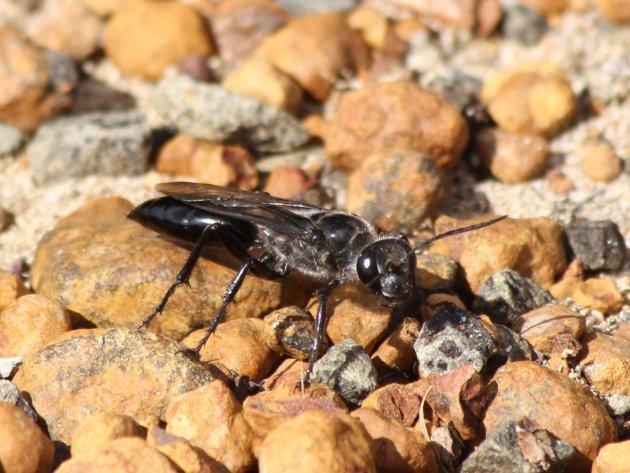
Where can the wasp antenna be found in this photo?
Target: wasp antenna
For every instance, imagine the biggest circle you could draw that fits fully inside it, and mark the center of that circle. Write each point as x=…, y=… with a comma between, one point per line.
x=457, y=231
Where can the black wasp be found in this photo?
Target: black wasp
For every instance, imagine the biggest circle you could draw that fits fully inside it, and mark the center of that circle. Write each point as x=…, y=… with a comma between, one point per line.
x=278, y=237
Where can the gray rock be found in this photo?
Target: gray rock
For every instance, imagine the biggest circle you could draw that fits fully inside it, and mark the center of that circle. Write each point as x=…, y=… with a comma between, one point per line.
x=347, y=369
x=453, y=338
x=209, y=112
x=523, y=24
x=520, y=447
x=114, y=143
x=599, y=244
x=617, y=404
x=10, y=393
x=10, y=139
x=9, y=365
x=506, y=294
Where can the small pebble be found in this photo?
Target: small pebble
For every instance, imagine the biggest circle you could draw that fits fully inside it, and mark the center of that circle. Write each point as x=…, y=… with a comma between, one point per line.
x=289, y=331
x=29, y=323
x=393, y=116
x=209, y=112
x=221, y=431
x=99, y=429
x=108, y=143
x=547, y=7
x=523, y=24
x=25, y=448
x=61, y=378
x=11, y=394
x=613, y=458
x=556, y=403
x=614, y=10
x=540, y=327
x=143, y=38
x=506, y=295
x=399, y=448
x=533, y=247
x=396, y=190
x=510, y=157
x=520, y=446
x=239, y=345
x=398, y=402
x=11, y=287
x=453, y=338
x=599, y=294
x=396, y=353
x=317, y=441
x=288, y=182
x=600, y=162
x=10, y=139
x=314, y=49
x=435, y=272
x=348, y=370
x=598, y=244
x=606, y=363
x=91, y=95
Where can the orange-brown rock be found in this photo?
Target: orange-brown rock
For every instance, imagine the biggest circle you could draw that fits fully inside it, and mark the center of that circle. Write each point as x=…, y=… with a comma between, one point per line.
x=66, y=26
x=398, y=402
x=558, y=404
x=221, y=431
x=11, y=287
x=239, y=26
x=435, y=272
x=264, y=412
x=397, y=448
x=533, y=247
x=114, y=272
x=120, y=456
x=600, y=162
x=239, y=345
x=613, y=458
x=540, y=327
x=86, y=371
x=512, y=158
x=30, y=323
x=105, y=7
x=396, y=189
x=372, y=24
x=392, y=116
x=396, y=353
x=100, y=428
x=598, y=293
x=260, y=79
x=25, y=98
x=211, y=163
x=614, y=10
x=289, y=331
x=354, y=314
x=314, y=49
x=181, y=452
x=288, y=182
x=605, y=363
x=547, y=7
x=318, y=441
x=532, y=98
x=24, y=447
x=145, y=37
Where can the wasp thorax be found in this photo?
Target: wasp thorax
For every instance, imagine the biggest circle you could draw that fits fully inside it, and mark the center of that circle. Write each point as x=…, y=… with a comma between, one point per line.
x=387, y=268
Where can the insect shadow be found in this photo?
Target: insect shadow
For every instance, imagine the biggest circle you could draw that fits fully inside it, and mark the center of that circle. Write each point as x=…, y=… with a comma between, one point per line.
x=275, y=238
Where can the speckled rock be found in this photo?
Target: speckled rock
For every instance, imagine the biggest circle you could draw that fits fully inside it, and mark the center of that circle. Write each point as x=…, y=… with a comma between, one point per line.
x=612, y=458
x=30, y=323
x=391, y=116
x=66, y=26
x=398, y=448
x=396, y=190
x=260, y=79
x=335, y=443
x=289, y=331
x=239, y=345
x=209, y=112
x=532, y=247
x=221, y=431
x=396, y=353
x=24, y=447
x=556, y=403
x=11, y=287
x=144, y=37
x=112, y=370
x=531, y=98
x=512, y=158
x=540, y=327
x=181, y=452
x=100, y=428
x=120, y=456
x=109, y=143
x=114, y=272
x=314, y=49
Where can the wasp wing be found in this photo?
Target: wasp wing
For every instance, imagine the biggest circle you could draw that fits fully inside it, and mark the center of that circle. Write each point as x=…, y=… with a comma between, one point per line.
x=284, y=216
